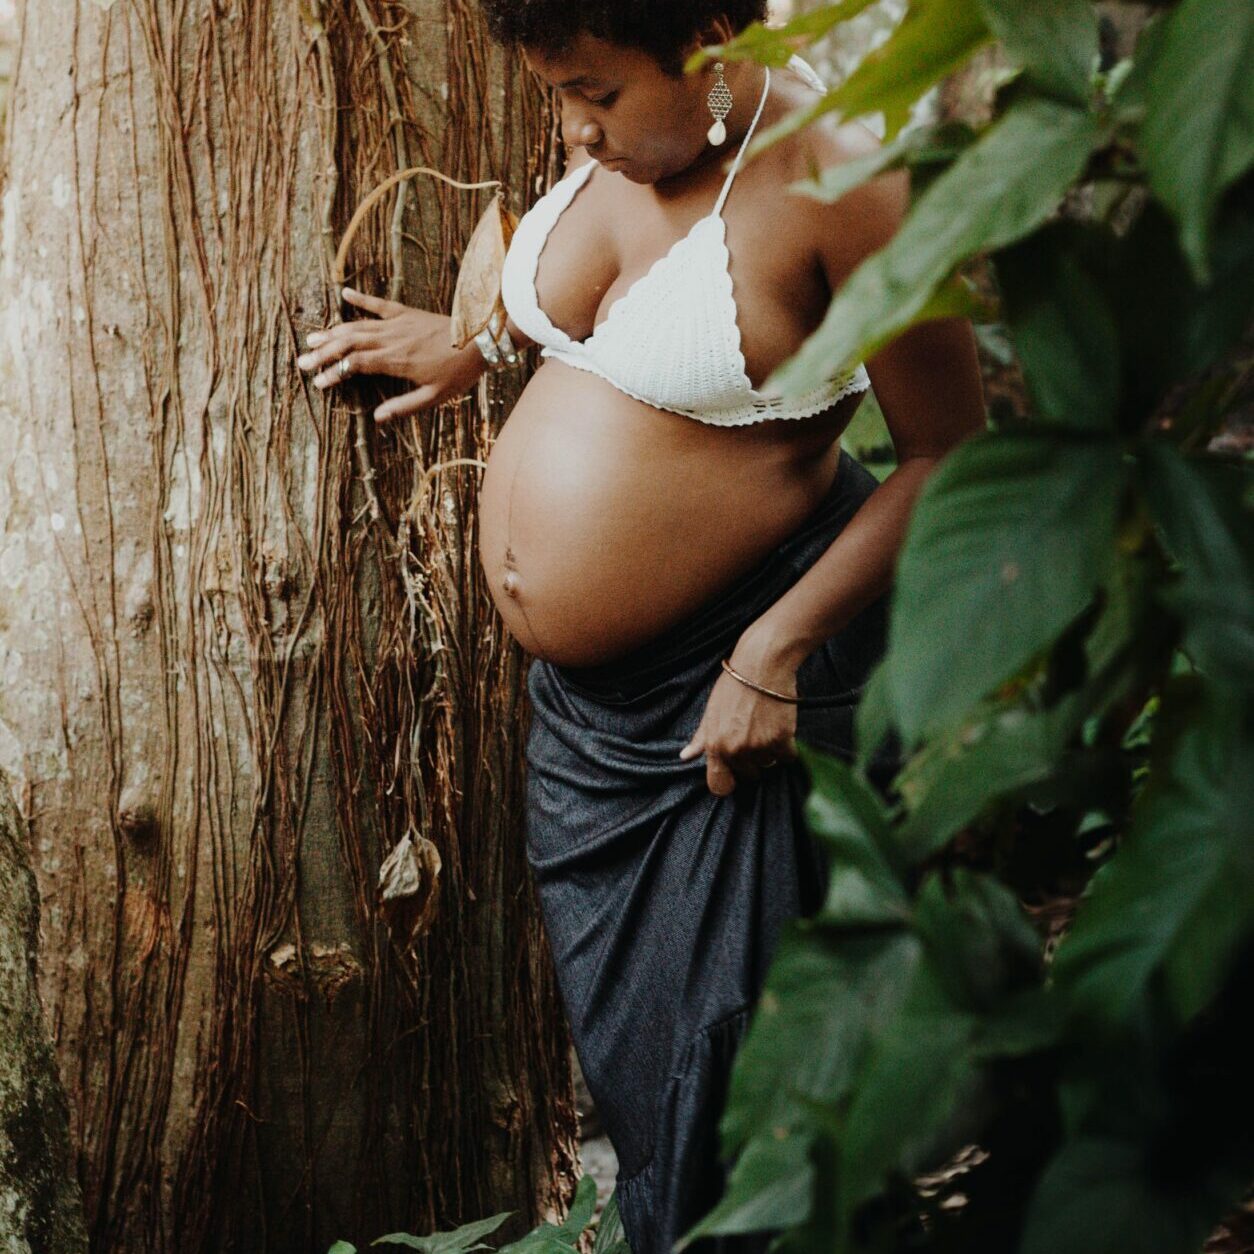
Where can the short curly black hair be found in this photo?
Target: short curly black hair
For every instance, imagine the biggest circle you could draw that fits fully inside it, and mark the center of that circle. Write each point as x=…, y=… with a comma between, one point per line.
x=659, y=27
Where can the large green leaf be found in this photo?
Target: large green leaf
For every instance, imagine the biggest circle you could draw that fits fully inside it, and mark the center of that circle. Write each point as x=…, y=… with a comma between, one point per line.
x=773, y=45
x=1064, y=331
x=920, y=146
x=933, y=39
x=769, y=1187
x=979, y=942
x=918, y=1078
x=922, y=1092
x=1099, y=1196
x=610, y=1234
x=1000, y=748
x=1054, y=40
x=873, y=718
x=563, y=1238
x=864, y=885
x=823, y=994
x=1003, y=186
x=456, y=1241
x=1170, y=329
x=1198, y=501
x=1187, y=855
x=1008, y=539
x=1197, y=137
x=1022, y=744
x=1130, y=78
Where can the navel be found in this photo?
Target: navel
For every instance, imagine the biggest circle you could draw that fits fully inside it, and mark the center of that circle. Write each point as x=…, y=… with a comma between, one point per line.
x=511, y=582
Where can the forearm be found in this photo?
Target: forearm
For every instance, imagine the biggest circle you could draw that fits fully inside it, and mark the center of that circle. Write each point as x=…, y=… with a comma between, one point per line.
x=855, y=569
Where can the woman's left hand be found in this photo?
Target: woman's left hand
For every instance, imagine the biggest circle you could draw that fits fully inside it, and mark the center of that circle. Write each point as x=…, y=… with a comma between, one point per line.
x=743, y=732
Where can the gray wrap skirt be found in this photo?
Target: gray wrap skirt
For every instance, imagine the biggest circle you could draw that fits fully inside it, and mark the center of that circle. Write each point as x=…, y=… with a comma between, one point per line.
x=663, y=902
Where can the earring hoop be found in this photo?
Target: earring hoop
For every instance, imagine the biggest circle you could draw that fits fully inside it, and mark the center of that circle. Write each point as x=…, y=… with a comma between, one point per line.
x=720, y=102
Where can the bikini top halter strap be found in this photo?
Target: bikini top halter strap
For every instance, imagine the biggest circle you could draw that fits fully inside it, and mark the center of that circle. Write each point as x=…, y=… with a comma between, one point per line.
x=731, y=174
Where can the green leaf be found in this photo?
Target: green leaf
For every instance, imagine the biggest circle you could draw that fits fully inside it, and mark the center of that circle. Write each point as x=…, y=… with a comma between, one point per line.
x=1064, y=331
x=1003, y=186
x=1009, y=537
x=1019, y=746
x=581, y=1208
x=561, y=1238
x=917, y=1080
x=769, y=1187
x=932, y=40
x=1000, y=748
x=873, y=717
x=609, y=1228
x=1054, y=40
x=1197, y=137
x=1025, y=1023
x=1186, y=855
x=1099, y=1196
x=544, y=1239
x=824, y=992
x=923, y=1092
x=342, y=1247
x=847, y=815
x=773, y=45
x=1130, y=78
x=1171, y=329
x=979, y=942
x=455, y=1241
x=1198, y=503
x=836, y=180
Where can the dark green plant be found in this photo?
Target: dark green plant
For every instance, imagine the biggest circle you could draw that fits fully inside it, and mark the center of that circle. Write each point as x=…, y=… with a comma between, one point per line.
x=1069, y=669
x=546, y=1238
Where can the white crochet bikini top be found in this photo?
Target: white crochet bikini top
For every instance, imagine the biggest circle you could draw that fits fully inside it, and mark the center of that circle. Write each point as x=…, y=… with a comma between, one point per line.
x=672, y=339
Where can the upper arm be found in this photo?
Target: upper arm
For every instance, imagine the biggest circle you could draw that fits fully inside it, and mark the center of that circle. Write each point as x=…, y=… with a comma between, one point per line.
x=927, y=380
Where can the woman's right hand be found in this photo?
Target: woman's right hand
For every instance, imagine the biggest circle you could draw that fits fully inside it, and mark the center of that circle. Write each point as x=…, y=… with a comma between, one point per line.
x=411, y=344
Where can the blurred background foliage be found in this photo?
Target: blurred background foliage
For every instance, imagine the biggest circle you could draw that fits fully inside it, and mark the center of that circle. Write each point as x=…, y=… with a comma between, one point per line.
x=1019, y=1023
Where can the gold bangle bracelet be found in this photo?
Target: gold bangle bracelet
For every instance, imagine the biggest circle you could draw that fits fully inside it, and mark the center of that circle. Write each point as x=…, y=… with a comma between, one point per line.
x=770, y=692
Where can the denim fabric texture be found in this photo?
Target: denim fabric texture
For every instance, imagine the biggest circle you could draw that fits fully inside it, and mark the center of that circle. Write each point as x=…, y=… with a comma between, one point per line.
x=663, y=903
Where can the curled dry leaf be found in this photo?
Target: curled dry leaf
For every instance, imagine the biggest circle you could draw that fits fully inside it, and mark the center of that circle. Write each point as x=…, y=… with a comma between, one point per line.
x=408, y=880
x=478, y=293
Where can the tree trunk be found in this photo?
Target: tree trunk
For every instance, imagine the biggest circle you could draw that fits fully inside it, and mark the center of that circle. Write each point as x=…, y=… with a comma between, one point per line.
x=243, y=652
x=41, y=1211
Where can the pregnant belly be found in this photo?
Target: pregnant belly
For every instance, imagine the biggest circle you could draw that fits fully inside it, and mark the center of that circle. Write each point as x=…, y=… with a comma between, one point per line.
x=603, y=520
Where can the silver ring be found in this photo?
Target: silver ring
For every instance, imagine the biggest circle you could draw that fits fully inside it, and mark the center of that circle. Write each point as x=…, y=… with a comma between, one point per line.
x=344, y=366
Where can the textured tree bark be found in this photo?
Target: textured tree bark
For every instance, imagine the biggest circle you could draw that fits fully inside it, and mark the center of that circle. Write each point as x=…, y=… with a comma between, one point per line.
x=245, y=646
x=41, y=1209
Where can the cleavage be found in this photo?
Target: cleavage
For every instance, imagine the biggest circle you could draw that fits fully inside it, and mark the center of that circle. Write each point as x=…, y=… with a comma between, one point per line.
x=599, y=269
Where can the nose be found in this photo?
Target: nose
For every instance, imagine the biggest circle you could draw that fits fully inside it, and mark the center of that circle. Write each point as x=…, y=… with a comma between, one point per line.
x=577, y=128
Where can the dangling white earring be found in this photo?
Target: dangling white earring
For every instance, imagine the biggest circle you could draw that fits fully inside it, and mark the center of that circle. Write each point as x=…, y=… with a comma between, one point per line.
x=720, y=102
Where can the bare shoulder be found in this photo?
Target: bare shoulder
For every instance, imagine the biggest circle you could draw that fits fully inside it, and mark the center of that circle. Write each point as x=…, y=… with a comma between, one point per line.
x=867, y=216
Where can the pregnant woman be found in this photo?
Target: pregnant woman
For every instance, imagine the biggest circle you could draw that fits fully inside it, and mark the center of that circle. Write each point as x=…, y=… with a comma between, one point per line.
x=700, y=572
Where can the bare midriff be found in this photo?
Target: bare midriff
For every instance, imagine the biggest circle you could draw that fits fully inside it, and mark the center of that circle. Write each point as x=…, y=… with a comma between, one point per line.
x=604, y=520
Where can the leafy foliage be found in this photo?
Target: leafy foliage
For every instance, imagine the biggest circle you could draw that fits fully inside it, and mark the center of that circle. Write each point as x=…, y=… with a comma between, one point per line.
x=1070, y=669
x=545, y=1238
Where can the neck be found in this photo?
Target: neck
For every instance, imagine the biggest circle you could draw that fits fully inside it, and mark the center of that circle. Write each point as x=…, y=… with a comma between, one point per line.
x=746, y=81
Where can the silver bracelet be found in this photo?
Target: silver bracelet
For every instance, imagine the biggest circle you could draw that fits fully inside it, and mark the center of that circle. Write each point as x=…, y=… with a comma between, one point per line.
x=494, y=343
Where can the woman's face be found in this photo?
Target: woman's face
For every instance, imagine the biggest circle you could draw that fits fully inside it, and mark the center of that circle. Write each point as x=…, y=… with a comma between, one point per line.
x=617, y=102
